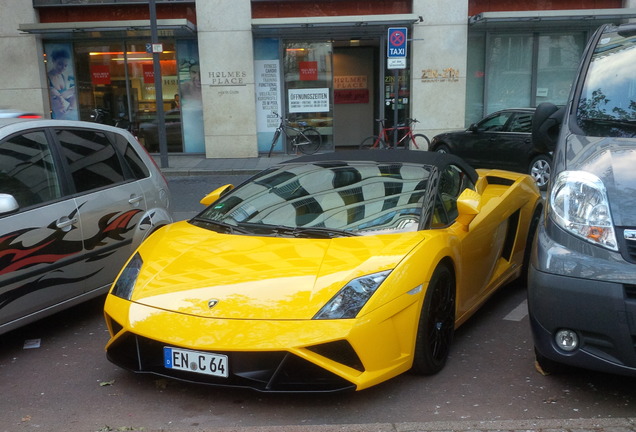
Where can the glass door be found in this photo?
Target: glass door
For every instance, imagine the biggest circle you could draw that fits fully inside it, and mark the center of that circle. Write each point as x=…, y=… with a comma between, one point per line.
x=308, y=75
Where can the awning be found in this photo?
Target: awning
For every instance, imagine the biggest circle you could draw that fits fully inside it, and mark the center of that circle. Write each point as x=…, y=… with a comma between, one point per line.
x=550, y=17
x=332, y=26
x=125, y=28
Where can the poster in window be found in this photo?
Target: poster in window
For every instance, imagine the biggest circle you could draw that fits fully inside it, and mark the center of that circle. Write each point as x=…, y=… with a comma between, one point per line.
x=61, y=81
x=190, y=104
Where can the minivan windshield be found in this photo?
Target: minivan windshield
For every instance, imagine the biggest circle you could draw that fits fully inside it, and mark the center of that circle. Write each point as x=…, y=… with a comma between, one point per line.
x=607, y=106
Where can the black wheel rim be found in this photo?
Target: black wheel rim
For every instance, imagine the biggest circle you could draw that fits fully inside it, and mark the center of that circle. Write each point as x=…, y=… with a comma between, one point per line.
x=441, y=319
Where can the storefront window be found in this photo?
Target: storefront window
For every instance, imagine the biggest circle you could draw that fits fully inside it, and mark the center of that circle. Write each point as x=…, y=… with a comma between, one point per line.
x=520, y=70
x=509, y=74
x=112, y=82
x=308, y=79
x=558, y=61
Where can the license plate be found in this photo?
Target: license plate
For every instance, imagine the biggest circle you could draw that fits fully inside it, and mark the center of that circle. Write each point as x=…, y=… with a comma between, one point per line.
x=195, y=361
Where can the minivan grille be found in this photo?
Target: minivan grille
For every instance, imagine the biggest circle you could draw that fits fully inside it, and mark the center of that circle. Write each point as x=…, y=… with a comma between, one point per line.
x=627, y=240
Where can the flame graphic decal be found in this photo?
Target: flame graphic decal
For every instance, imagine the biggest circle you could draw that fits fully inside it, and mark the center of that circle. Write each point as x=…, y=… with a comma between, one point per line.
x=14, y=255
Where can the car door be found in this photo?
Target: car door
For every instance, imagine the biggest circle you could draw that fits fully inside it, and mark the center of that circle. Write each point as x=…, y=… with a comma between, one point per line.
x=480, y=245
x=110, y=202
x=41, y=245
x=481, y=153
x=512, y=146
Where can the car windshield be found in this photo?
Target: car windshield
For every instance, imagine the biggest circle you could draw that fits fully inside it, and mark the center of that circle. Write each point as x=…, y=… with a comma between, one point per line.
x=324, y=199
x=607, y=106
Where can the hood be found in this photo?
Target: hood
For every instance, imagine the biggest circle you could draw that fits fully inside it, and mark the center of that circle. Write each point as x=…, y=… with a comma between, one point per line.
x=613, y=160
x=195, y=271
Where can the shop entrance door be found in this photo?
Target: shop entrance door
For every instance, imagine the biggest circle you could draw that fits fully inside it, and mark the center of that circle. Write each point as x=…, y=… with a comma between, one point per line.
x=355, y=96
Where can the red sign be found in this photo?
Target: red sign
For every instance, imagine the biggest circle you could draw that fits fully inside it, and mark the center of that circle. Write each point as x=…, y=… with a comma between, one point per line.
x=308, y=70
x=351, y=96
x=100, y=74
x=149, y=74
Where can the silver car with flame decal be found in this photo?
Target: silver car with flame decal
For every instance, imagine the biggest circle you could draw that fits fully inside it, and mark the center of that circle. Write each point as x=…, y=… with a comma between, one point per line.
x=76, y=199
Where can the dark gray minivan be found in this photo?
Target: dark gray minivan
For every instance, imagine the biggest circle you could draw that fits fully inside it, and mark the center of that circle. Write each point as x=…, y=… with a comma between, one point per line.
x=582, y=278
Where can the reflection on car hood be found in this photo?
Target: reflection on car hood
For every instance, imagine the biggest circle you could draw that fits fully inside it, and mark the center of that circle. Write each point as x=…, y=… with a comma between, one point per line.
x=187, y=269
x=613, y=160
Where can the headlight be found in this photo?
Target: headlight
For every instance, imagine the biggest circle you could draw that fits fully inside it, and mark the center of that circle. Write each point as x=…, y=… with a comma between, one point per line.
x=126, y=282
x=580, y=206
x=350, y=299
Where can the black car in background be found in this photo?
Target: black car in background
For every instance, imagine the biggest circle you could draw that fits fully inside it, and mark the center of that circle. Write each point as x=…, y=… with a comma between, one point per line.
x=501, y=140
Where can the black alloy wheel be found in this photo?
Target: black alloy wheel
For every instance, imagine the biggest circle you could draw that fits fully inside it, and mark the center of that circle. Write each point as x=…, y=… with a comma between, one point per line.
x=436, y=325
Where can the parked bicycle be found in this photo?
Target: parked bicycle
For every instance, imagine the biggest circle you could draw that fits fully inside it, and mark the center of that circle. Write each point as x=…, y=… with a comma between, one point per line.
x=306, y=140
x=386, y=138
x=100, y=115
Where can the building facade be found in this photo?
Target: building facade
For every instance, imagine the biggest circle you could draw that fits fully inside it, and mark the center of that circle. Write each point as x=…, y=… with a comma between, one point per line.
x=225, y=68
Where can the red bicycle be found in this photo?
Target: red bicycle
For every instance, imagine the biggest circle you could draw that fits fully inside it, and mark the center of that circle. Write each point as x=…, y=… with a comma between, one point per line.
x=406, y=138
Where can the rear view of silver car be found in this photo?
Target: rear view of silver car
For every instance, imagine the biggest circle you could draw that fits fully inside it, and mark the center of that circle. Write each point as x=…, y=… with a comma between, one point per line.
x=582, y=279
x=76, y=199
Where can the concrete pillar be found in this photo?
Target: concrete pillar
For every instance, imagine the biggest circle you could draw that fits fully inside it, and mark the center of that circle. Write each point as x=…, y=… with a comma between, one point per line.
x=439, y=56
x=227, y=78
x=23, y=84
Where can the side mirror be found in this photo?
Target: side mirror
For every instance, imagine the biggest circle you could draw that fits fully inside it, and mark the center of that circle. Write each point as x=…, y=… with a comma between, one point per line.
x=468, y=204
x=216, y=194
x=8, y=204
x=546, y=124
x=473, y=128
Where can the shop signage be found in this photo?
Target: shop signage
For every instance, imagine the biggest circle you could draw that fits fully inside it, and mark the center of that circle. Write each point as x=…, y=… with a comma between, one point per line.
x=308, y=100
x=227, y=78
x=353, y=96
x=100, y=74
x=350, y=89
x=267, y=83
x=445, y=75
x=308, y=70
x=350, y=82
x=149, y=73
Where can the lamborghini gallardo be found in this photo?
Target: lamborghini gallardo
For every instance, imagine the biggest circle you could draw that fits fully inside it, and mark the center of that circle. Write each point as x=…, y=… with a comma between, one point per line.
x=326, y=273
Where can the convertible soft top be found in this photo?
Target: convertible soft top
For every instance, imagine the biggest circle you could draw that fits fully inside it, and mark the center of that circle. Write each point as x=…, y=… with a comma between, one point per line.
x=440, y=160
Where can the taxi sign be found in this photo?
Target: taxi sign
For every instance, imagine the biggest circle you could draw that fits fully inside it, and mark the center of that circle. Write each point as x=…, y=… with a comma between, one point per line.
x=396, y=42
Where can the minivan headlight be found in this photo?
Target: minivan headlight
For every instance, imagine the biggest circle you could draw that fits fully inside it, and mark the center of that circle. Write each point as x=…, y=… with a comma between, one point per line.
x=125, y=283
x=579, y=205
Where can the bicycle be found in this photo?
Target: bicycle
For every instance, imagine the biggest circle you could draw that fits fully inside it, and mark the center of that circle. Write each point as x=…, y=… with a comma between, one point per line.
x=382, y=141
x=308, y=140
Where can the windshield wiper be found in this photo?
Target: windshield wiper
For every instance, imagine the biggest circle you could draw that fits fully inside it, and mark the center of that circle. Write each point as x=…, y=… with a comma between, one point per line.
x=218, y=226
x=323, y=231
x=283, y=230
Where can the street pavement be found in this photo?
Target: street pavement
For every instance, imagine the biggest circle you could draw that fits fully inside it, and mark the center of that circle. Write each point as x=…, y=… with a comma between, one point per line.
x=198, y=164
x=186, y=165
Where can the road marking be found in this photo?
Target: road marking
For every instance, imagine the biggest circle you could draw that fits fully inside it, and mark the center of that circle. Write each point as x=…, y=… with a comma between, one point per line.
x=518, y=313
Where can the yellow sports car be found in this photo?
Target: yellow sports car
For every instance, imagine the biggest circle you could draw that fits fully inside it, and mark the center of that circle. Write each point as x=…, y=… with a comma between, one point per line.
x=329, y=272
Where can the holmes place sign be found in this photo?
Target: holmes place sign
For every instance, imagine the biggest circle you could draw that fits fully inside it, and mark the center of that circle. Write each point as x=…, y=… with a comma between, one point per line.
x=229, y=78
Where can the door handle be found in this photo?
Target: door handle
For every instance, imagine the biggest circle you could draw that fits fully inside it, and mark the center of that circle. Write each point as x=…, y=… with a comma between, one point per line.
x=65, y=224
x=135, y=199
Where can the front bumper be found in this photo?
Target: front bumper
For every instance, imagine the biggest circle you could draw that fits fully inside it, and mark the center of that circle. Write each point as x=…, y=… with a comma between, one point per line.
x=268, y=356
x=593, y=295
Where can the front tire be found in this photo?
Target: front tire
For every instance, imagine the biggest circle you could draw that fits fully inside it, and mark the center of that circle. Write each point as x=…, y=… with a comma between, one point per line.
x=314, y=138
x=539, y=169
x=436, y=325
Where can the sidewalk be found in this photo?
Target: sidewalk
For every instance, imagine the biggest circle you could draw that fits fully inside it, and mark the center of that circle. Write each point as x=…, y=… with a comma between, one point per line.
x=538, y=425
x=198, y=164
